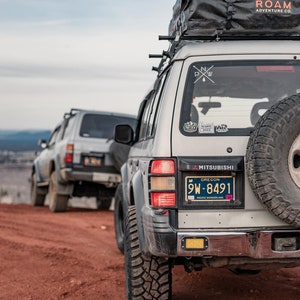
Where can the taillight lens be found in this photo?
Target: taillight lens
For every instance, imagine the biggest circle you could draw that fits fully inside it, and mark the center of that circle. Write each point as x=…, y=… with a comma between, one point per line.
x=162, y=183
x=163, y=167
x=163, y=199
x=69, y=154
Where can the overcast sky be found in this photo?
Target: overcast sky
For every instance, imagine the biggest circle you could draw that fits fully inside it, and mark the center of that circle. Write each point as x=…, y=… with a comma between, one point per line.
x=61, y=54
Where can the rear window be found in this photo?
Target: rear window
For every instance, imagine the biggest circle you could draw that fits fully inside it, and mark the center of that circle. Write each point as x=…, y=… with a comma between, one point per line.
x=102, y=126
x=229, y=97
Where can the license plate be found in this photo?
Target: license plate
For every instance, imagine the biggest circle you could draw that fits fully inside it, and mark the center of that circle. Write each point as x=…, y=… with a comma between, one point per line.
x=92, y=161
x=209, y=188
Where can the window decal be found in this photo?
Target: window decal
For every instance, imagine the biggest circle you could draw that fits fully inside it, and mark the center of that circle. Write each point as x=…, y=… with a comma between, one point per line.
x=206, y=128
x=204, y=73
x=222, y=128
x=190, y=127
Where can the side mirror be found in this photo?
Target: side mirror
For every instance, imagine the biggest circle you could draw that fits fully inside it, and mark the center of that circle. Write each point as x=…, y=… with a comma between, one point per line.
x=124, y=134
x=42, y=144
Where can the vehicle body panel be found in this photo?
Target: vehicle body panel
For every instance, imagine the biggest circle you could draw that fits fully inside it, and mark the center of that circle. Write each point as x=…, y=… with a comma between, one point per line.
x=161, y=232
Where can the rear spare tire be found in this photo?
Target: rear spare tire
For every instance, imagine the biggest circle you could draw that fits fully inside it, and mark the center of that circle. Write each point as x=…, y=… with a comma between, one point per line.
x=273, y=160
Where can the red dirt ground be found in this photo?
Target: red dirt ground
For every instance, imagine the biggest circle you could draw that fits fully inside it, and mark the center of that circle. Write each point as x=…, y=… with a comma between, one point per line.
x=74, y=256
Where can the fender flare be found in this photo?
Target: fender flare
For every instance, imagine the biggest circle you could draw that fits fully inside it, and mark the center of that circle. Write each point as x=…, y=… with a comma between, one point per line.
x=139, y=202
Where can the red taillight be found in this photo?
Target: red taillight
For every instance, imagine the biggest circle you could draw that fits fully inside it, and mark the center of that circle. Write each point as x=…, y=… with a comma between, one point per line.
x=69, y=154
x=163, y=167
x=162, y=183
x=69, y=158
x=163, y=199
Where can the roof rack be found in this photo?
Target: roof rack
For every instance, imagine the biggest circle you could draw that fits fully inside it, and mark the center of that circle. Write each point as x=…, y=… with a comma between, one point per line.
x=165, y=56
x=176, y=41
x=72, y=112
x=208, y=20
x=234, y=20
x=235, y=36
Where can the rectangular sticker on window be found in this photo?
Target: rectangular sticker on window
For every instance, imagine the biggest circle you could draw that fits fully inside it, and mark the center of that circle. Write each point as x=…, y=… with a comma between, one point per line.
x=275, y=69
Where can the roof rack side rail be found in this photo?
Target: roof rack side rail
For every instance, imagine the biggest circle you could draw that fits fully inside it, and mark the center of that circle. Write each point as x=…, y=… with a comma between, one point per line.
x=229, y=36
x=75, y=110
x=72, y=112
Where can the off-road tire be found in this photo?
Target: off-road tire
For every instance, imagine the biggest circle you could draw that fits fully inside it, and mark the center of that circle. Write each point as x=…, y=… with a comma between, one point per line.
x=273, y=160
x=147, y=277
x=37, y=194
x=57, y=203
x=104, y=197
x=119, y=218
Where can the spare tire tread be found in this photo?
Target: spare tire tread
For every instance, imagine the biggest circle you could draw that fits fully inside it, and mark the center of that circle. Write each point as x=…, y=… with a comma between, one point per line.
x=267, y=151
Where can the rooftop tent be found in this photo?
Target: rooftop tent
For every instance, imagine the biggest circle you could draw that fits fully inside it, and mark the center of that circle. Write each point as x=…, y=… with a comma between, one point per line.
x=208, y=18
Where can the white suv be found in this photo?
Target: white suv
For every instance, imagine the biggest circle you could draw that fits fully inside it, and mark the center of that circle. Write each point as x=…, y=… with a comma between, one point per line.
x=76, y=161
x=213, y=174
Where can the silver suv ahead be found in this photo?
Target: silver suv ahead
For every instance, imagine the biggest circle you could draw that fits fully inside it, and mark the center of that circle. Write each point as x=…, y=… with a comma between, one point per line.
x=76, y=161
x=213, y=174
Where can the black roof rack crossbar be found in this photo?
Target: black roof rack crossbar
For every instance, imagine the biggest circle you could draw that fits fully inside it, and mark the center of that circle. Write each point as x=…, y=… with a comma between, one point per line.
x=166, y=38
x=232, y=36
x=155, y=56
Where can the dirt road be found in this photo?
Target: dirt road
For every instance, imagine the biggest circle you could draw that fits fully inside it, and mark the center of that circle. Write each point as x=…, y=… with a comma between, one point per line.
x=73, y=256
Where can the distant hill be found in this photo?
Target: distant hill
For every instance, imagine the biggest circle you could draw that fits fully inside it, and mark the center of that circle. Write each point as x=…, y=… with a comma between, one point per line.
x=22, y=140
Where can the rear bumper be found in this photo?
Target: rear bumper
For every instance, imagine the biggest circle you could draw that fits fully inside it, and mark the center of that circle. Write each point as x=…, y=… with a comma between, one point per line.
x=259, y=244
x=161, y=239
x=107, y=179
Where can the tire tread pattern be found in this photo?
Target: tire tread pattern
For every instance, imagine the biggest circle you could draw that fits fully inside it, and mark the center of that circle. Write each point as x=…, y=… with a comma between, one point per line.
x=267, y=151
x=148, y=277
